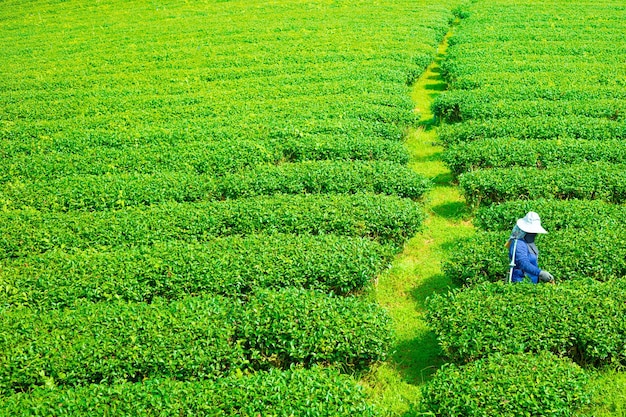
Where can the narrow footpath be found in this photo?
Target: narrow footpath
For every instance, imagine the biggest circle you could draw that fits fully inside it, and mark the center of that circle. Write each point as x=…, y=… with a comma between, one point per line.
x=416, y=273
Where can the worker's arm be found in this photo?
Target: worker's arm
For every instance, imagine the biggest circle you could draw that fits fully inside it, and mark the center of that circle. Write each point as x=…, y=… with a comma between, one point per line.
x=522, y=261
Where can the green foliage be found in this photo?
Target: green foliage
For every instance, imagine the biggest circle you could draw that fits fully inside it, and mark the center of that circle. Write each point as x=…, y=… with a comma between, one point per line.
x=294, y=326
x=582, y=319
x=195, y=338
x=537, y=128
x=213, y=71
x=214, y=158
x=325, y=177
x=567, y=254
x=44, y=162
x=534, y=114
x=118, y=341
x=230, y=266
x=508, y=385
x=462, y=105
x=592, y=181
x=105, y=192
x=387, y=219
x=508, y=153
x=555, y=214
x=303, y=392
x=174, y=102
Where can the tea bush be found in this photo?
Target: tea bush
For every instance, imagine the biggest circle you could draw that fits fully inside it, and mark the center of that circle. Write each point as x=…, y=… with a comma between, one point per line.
x=387, y=219
x=592, y=181
x=582, y=319
x=508, y=385
x=231, y=266
x=118, y=341
x=509, y=153
x=304, y=392
x=567, y=254
x=537, y=128
x=555, y=214
x=325, y=177
x=488, y=103
x=44, y=162
x=113, y=191
x=215, y=158
x=295, y=326
x=194, y=338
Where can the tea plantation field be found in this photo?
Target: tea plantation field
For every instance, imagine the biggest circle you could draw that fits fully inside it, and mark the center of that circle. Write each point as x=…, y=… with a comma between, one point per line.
x=197, y=201
x=194, y=197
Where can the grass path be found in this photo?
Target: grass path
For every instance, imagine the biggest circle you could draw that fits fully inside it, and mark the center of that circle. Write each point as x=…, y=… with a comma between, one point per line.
x=416, y=272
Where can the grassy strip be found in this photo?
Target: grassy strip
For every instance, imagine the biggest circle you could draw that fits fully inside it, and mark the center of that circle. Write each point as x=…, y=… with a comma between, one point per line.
x=607, y=389
x=416, y=272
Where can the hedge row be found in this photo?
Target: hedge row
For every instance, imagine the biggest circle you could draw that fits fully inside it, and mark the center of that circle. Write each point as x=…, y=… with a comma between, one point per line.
x=507, y=153
x=555, y=214
x=368, y=123
x=38, y=162
x=383, y=119
x=465, y=50
x=509, y=386
x=567, y=254
x=106, y=192
x=583, y=320
x=303, y=392
x=493, y=77
x=195, y=338
x=562, y=90
x=462, y=105
x=231, y=266
x=541, y=127
x=326, y=177
x=387, y=219
x=591, y=181
x=495, y=72
x=215, y=158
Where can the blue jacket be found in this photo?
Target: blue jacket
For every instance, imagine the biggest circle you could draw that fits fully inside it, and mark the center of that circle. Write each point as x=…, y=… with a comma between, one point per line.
x=525, y=262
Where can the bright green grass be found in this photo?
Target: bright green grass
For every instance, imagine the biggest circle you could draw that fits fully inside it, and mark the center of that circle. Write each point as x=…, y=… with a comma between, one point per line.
x=416, y=272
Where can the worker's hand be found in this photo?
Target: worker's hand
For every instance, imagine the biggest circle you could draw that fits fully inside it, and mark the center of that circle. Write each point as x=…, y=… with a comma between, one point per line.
x=545, y=276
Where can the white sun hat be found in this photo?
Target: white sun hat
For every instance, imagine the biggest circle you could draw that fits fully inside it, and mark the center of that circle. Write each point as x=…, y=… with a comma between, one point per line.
x=531, y=223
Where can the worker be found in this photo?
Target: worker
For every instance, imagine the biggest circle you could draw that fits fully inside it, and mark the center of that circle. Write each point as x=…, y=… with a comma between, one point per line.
x=523, y=252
